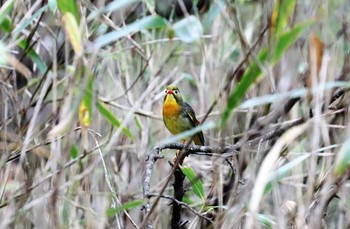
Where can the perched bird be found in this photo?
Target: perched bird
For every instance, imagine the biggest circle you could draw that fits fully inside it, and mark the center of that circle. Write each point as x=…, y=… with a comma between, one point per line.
x=178, y=116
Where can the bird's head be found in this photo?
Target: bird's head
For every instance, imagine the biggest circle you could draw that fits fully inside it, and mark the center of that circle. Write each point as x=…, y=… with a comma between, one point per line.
x=172, y=92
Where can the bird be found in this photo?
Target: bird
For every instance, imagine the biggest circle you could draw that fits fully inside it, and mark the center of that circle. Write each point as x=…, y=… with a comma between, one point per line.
x=179, y=116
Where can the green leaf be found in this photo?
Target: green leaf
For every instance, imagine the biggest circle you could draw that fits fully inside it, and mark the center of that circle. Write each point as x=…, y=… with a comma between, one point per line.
x=188, y=29
x=342, y=161
x=5, y=10
x=85, y=108
x=66, y=211
x=197, y=185
x=138, y=123
x=186, y=199
x=87, y=98
x=33, y=56
x=249, y=77
x=284, y=11
x=148, y=22
x=213, y=12
x=52, y=5
x=69, y=6
x=6, y=25
x=111, y=212
x=110, y=117
x=266, y=221
x=74, y=151
x=283, y=171
x=285, y=40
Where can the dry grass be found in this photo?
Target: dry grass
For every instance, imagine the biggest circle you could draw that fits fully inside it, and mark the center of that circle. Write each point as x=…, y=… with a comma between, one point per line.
x=289, y=162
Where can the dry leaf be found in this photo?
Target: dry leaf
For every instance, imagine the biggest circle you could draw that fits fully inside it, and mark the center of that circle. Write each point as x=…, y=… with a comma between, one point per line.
x=314, y=59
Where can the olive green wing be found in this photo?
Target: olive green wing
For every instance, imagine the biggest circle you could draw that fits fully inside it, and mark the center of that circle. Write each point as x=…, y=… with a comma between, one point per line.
x=192, y=117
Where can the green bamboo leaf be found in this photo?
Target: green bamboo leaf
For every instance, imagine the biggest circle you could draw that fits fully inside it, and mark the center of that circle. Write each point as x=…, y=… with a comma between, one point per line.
x=138, y=123
x=212, y=14
x=6, y=25
x=148, y=22
x=87, y=97
x=266, y=221
x=85, y=107
x=285, y=40
x=186, y=199
x=188, y=29
x=110, y=117
x=6, y=9
x=52, y=5
x=284, y=12
x=342, y=161
x=197, y=185
x=74, y=151
x=111, y=212
x=69, y=6
x=283, y=171
x=33, y=56
x=249, y=77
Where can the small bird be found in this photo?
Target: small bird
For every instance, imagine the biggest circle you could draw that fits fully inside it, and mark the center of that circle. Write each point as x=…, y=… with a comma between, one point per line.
x=178, y=116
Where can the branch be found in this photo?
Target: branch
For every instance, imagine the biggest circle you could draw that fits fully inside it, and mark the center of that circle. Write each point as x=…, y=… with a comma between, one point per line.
x=179, y=193
x=226, y=152
x=326, y=192
x=151, y=159
x=43, y=180
x=184, y=205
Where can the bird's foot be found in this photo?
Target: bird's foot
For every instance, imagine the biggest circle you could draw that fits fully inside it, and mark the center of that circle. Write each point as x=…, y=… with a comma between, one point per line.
x=177, y=155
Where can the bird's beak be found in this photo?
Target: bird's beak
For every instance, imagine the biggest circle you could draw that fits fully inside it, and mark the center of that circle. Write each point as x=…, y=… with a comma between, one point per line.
x=170, y=92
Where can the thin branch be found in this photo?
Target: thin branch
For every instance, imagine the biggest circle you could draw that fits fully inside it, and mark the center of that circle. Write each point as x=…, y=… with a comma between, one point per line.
x=326, y=192
x=43, y=180
x=179, y=193
x=228, y=151
x=115, y=199
x=184, y=205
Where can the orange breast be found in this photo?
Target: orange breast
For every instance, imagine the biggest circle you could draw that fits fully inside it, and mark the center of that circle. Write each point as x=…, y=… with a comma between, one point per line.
x=170, y=107
x=171, y=111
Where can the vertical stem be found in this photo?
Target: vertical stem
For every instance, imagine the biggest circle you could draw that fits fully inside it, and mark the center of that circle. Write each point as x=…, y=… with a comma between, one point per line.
x=179, y=192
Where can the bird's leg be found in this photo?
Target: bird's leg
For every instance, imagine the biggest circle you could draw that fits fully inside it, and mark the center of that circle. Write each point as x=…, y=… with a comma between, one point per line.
x=177, y=154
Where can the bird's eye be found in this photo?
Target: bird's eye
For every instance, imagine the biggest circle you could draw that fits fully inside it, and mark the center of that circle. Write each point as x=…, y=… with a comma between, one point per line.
x=176, y=92
x=166, y=91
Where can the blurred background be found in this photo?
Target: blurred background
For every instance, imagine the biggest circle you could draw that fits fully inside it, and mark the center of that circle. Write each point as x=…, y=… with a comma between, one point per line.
x=81, y=91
